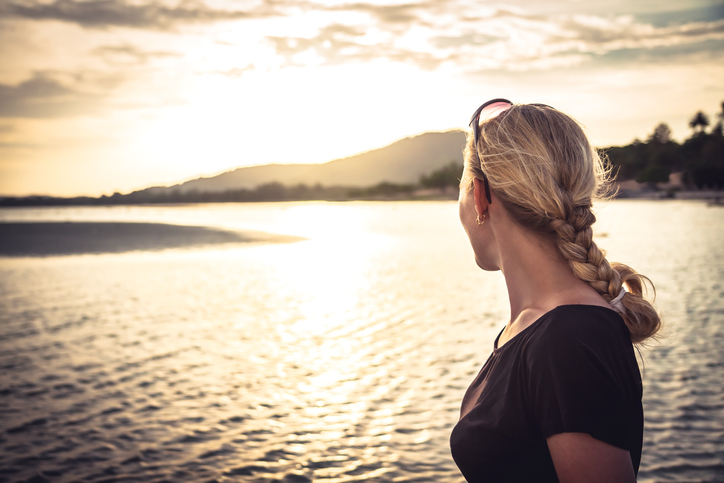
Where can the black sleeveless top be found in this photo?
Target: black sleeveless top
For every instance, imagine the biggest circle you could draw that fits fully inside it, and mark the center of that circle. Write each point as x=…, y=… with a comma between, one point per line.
x=572, y=371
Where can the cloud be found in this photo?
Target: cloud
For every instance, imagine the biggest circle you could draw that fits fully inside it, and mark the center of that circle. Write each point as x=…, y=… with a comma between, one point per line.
x=705, y=13
x=45, y=96
x=426, y=34
x=156, y=15
x=337, y=44
x=600, y=36
x=126, y=54
x=466, y=39
x=391, y=14
x=117, y=13
x=706, y=51
x=236, y=71
x=474, y=38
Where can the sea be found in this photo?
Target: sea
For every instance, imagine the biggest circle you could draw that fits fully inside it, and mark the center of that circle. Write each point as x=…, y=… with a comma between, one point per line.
x=340, y=356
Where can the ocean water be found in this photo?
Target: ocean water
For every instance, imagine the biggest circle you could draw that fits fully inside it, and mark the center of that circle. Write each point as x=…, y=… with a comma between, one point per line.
x=342, y=357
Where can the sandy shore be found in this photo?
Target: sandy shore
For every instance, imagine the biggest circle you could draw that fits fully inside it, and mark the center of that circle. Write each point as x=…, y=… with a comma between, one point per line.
x=70, y=238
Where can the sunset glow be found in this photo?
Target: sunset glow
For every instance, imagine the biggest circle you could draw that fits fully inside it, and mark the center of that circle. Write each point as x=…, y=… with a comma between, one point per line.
x=97, y=97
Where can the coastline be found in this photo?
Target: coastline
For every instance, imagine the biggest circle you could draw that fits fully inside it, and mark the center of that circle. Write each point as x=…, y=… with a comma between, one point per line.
x=620, y=190
x=711, y=196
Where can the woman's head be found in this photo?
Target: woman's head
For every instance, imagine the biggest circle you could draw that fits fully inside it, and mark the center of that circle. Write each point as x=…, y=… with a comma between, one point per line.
x=537, y=160
x=542, y=168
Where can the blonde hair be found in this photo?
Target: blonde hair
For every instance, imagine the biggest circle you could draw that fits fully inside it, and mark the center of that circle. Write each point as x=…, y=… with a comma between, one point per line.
x=542, y=167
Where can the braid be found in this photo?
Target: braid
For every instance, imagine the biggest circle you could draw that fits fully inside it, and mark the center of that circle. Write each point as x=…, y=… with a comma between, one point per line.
x=587, y=261
x=574, y=237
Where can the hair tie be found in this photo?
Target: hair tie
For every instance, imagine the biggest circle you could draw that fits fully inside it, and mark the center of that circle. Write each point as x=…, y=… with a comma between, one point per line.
x=617, y=302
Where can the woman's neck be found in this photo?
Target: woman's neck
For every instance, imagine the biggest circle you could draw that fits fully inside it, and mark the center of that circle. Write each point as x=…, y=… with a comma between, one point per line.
x=538, y=278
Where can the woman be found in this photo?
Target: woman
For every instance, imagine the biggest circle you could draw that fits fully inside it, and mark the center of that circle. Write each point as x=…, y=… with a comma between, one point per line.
x=559, y=399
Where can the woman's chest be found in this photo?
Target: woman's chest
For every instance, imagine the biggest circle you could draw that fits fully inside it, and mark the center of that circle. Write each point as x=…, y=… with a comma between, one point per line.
x=497, y=399
x=496, y=428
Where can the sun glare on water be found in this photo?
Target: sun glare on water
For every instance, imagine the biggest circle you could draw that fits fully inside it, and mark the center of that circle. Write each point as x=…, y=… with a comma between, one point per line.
x=329, y=269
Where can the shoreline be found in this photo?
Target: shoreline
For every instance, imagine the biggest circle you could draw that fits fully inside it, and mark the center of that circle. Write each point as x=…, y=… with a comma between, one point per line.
x=623, y=191
x=39, y=239
x=663, y=194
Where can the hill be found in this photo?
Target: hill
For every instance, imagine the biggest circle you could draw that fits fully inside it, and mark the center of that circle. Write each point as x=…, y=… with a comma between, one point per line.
x=403, y=161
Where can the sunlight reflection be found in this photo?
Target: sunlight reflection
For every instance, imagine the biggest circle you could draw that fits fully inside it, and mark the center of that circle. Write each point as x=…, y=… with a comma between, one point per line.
x=328, y=220
x=328, y=272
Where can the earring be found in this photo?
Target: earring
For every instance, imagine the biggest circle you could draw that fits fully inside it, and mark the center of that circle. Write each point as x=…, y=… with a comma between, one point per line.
x=480, y=223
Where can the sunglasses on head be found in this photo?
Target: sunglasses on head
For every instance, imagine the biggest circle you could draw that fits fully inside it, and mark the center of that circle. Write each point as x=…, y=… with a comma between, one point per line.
x=487, y=110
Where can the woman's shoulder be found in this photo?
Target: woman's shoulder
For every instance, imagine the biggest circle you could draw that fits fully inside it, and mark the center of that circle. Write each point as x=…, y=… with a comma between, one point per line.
x=572, y=326
x=580, y=375
x=577, y=315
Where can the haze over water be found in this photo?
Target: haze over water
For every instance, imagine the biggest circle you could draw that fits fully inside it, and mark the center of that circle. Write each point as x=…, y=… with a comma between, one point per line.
x=343, y=357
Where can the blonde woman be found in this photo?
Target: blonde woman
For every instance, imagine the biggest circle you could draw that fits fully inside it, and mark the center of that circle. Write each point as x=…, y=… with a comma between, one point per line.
x=559, y=399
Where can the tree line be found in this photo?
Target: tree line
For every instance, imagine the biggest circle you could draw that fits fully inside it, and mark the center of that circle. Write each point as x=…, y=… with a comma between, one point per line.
x=441, y=179
x=700, y=159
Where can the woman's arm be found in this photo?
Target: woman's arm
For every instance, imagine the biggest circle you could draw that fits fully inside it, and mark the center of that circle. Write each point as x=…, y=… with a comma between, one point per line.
x=578, y=457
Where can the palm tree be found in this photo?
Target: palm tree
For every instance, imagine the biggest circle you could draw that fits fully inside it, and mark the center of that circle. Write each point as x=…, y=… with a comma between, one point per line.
x=718, y=126
x=699, y=122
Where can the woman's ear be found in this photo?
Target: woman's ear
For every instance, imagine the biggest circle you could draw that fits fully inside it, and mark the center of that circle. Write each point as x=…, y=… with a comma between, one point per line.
x=481, y=201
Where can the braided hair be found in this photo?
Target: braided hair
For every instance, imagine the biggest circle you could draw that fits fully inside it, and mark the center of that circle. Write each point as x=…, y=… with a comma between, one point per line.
x=542, y=167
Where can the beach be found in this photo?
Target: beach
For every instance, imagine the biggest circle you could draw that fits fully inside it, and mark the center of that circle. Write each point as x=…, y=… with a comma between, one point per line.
x=76, y=238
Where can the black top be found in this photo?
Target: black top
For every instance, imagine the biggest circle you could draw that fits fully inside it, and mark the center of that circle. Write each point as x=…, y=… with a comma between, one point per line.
x=571, y=371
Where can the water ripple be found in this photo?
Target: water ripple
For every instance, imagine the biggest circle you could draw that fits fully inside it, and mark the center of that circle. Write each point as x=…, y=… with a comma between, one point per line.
x=339, y=359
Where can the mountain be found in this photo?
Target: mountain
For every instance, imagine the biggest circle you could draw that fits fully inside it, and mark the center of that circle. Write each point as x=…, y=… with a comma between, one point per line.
x=403, y=161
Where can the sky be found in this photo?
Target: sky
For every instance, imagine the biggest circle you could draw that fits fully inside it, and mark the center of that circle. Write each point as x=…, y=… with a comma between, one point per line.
x=103, y=96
